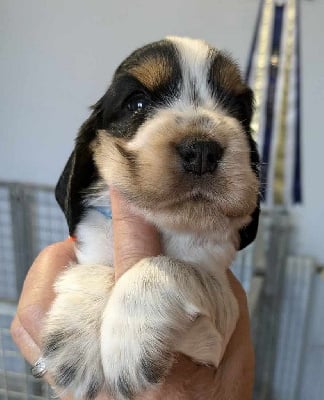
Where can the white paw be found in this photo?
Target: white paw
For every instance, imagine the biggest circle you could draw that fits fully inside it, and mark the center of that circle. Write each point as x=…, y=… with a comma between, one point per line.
x=134, y=360
x=143, y=318
x=71, y=341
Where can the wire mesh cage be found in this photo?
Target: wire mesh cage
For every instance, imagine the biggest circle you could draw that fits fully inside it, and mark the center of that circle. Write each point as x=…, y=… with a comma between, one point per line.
x=29, y=220
x=16, y=382
x=8, y=290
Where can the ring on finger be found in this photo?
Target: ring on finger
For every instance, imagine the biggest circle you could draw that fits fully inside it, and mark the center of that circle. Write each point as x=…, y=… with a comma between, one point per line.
x=38, y=370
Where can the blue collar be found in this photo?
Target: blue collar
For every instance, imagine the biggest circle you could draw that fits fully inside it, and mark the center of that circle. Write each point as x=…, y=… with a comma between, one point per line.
x=104, y=210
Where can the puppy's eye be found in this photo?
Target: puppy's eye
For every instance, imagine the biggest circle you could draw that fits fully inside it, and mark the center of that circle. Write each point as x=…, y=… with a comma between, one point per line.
x=137, y=102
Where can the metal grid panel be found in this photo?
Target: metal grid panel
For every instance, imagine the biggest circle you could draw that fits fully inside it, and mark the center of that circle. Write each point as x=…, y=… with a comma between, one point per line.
x=266, y=324
x=252, y=259
x=16, y=382
x=48, y=223
x=311, y=382
x=297, y=287
x=30, y=219
x=243, y=267
x=8, y=289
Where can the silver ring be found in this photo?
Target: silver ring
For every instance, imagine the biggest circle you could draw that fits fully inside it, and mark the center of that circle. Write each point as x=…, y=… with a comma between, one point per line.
x=38, y=370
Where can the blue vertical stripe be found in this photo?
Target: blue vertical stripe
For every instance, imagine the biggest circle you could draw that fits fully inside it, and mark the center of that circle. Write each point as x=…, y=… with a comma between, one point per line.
x=297, y=184
x=271, y=92
x=254, y=41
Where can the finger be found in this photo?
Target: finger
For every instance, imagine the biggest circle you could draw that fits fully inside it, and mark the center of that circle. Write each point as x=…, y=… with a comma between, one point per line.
x=239, y=293
x=30, y=351
x=28, y=348
x=242, y=329
x=241, y=341
x=134, y=238
x=37, y=293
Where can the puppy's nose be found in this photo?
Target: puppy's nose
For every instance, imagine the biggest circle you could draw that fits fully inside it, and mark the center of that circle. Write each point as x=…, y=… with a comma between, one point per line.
x=199, y=157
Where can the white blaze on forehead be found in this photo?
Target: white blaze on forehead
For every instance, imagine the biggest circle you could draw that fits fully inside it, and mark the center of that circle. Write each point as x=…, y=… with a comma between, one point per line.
x=195, y=64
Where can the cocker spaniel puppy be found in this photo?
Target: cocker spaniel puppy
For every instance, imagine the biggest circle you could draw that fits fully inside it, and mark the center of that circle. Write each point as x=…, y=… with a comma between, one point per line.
x=172, y=134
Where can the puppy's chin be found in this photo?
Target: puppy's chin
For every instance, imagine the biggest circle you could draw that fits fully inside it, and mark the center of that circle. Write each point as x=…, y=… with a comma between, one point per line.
x=191, y=213
x=198, y=216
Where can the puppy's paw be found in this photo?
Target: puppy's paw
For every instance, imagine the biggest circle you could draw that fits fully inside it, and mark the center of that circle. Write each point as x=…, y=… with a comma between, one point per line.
x=134, y=361
x=71, y=341
x=143, y=318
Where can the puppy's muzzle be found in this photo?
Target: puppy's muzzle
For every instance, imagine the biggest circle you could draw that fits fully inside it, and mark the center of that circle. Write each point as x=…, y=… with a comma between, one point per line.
x=199, y=157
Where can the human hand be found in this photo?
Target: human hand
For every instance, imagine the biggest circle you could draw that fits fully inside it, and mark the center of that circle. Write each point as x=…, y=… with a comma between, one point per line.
x=133, y=240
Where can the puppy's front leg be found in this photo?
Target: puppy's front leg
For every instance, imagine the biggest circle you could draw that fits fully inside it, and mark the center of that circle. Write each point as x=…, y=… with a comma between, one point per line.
x=71, y=337
x=151, y=307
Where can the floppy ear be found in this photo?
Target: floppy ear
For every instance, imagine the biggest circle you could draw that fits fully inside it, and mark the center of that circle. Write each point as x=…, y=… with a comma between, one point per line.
x=249, y=232
x=79, y=172
x=246, y=100
x=244, y=107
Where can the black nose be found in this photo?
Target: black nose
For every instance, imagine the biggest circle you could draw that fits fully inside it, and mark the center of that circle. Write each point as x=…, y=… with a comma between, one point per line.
x=199, y=157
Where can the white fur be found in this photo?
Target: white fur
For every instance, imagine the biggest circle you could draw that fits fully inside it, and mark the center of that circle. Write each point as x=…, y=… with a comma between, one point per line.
x=158, y=307
x=155, y=297
x=94, y=234
x=195, y=65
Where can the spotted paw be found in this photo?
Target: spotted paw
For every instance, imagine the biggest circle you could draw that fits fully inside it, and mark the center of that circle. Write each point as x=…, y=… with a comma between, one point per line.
x=133, y=363
x=71, y=340
x=128, y=376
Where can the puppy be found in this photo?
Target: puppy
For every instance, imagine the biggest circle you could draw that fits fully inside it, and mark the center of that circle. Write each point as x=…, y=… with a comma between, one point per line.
x=172, y=134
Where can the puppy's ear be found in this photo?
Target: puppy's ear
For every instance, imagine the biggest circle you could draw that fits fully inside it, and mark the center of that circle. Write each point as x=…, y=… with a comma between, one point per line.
x=80, y=171
x=244, y=111
x=249, y=232
x=246, y=101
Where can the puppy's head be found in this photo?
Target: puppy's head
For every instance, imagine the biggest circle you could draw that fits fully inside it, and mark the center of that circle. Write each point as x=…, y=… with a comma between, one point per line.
x=172, y=133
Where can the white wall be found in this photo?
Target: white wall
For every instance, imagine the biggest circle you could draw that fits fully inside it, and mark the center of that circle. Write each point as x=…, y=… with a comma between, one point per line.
x=57, y=58
x=310, y=217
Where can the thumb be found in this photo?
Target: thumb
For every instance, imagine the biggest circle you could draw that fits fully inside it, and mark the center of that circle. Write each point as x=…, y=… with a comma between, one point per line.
x=134, y=238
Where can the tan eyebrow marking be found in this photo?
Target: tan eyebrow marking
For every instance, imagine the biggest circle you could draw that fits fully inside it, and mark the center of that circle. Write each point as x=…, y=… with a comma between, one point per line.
x=227, y=74
x=152, y=72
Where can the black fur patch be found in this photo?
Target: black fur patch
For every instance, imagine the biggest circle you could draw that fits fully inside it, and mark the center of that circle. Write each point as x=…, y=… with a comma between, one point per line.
x=93, y=390
x=65, y=375
x=163, y=49
x=153, y=373
x=124, y=387
x=117, y=119
x=53, y=343
x=228, y=88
